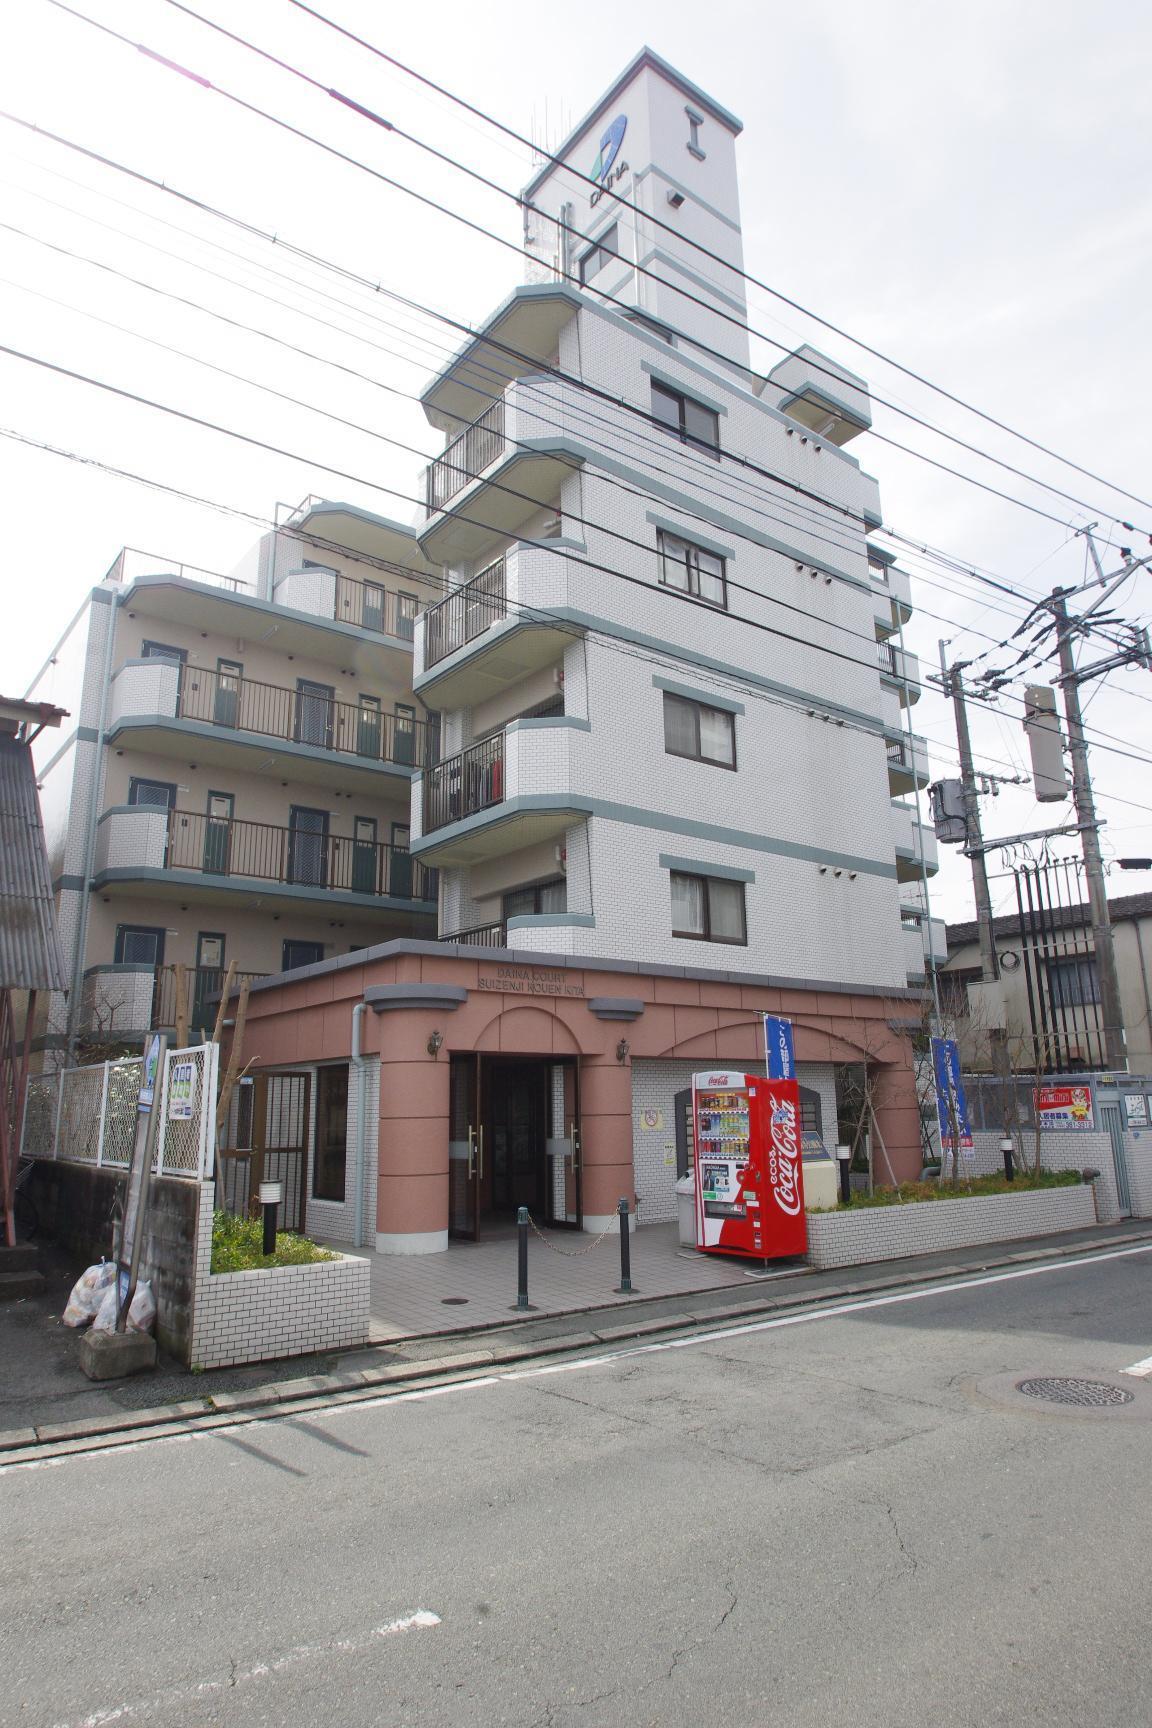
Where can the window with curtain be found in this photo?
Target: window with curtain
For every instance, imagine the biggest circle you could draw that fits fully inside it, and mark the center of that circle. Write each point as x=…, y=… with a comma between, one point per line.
x=702, y=733
x=692, y=569
x=708, y=908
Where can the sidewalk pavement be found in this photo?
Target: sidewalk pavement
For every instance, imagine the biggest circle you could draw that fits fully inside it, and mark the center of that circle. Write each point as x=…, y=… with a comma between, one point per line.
x=46, y=1405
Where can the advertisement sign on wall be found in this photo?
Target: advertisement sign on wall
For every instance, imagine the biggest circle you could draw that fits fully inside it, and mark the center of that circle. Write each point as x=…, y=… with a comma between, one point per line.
x=1064, y=1106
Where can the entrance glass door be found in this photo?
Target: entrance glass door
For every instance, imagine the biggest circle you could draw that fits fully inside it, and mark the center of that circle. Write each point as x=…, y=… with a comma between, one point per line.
x=465, y=1148
x=518, y=1111
x=563, y=1197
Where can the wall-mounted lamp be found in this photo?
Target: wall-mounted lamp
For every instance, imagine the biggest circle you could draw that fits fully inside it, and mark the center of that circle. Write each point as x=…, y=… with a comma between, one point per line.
x=435, y=1039
x=622, y=1050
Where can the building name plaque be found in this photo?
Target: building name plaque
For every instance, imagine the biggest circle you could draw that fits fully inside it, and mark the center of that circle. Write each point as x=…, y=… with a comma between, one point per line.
x=529, y=981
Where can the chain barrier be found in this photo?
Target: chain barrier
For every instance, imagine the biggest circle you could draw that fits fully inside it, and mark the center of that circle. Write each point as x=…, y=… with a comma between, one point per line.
x=573, y=1253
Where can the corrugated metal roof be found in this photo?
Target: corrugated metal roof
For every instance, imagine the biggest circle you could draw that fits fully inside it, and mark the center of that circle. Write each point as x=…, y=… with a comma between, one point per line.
x=29, y=951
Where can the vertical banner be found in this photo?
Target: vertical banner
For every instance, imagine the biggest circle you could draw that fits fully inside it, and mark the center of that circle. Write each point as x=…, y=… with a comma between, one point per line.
x=779, y=1049
x=951, y=1104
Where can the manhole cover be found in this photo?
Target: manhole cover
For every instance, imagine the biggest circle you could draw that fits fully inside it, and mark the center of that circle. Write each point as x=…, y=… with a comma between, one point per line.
x=454, y=1301
x=1092, y=1394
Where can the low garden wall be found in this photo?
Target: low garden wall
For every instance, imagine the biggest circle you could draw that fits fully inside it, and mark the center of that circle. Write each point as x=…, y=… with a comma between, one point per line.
x=860, y=1234
x=275, y=1311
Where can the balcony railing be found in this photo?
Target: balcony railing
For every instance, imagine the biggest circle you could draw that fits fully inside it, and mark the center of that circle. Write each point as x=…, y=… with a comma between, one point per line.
x=480, y=936
x=202, y=988
x=309, y=858
x=466, y=457
x=325, y=593
x=465, y=614
x=886, y=659
x=131, y=562
x=237, y=704
x=464, y=784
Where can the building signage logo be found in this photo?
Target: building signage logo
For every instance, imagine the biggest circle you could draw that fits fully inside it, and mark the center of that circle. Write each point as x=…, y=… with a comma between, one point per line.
x=604, y=169
x=784, y=1146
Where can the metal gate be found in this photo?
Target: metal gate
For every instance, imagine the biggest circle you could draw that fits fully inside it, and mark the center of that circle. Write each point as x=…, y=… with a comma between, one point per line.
x=271, y=1128
x=1114, y=1123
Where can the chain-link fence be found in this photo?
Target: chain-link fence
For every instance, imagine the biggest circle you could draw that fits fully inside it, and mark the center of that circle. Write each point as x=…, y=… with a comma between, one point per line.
x=88, y=1115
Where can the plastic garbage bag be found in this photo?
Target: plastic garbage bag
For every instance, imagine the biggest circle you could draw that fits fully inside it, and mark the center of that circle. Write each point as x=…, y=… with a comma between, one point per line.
x=141, y=1315
x=88, y=1292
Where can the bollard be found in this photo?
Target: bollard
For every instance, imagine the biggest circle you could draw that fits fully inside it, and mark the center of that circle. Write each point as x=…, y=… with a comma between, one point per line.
x=844, y=1160
x=1006, y=1150
x=522, y=1261
x=271, y=1194
x=624, y=1288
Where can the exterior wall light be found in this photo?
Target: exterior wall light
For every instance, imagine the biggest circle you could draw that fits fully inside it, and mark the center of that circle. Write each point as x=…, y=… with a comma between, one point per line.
x=435, y=1039
x=622, y=1050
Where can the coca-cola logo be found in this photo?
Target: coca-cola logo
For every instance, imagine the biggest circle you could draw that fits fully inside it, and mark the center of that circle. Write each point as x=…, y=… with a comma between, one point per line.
x=784, y=1154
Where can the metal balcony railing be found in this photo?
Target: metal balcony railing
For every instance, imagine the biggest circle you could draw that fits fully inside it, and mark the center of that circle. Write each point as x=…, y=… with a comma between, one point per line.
x=480, y=936
x=202, y=988
x=465, y=614
x=371, y=606
x=464, y=784
x=130, y=562
x=307, y=857
x=886, y=659
x=466, y=457
x=360, y=729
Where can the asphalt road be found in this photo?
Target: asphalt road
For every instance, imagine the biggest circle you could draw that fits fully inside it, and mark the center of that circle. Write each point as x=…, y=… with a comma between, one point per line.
x=834, y=1520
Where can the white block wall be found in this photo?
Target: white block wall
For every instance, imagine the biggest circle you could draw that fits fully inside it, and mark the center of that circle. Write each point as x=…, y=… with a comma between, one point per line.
x=135, y=839
x=263, y=1315
x=863, y=1234
x=149, y=687
x=655, y=1085
x=1069, y=1149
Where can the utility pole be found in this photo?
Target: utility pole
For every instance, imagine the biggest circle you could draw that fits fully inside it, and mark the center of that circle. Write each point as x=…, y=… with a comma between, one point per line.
x=1114, y=1041
x=974, y=839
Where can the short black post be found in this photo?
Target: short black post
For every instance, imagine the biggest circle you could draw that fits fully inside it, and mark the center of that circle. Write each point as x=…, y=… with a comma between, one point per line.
x=844, y=1160
x=522, y=1260
x=1006, y=1150
x=624, y=1288
x=270, y=1194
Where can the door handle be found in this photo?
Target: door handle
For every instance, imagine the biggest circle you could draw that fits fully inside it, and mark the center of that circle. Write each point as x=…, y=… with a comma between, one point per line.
x=481, y=1171
x=575, y=1149
x=471, y=1152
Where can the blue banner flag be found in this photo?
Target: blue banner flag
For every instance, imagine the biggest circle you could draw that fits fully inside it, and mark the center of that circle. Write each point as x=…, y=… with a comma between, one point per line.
x=951, y=1104
x=778, y=1048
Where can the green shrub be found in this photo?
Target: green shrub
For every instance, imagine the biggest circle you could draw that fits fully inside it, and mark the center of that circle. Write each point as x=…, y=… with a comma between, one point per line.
x=238, y=1246
x=908, y=1192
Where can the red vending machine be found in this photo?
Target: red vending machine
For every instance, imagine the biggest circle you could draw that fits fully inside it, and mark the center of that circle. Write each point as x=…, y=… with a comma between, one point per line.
x=749, y=1175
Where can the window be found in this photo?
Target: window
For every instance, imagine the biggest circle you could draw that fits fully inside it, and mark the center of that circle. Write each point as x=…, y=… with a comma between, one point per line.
x=691, y=569
x=689, y=420
x=331, y=1154
x=551, y=709
x=541, y=897
x=1073, y=983
x=138, y=945
x=158, y=792
x=606, y=248
x=163, y=651
x=708, y=908
x=294, y=954
x=705, y=734
x=811, y=1111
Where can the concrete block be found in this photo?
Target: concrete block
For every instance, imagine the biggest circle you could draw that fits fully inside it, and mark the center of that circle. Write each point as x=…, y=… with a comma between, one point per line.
x=114, y=1355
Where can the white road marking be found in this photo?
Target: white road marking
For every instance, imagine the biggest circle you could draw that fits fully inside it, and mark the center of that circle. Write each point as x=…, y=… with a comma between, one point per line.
x=807, y=1317
x=1142, y=1369
x=422, y=1619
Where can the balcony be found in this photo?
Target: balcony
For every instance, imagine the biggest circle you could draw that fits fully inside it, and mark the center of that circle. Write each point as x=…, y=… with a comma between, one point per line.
x=158, y=703
x=497, y=473
x=908, y=769
x=511, y=790
x=891, y=591
x=902, y=669
x=124, y=1002
x=821, y=394
x=480, y=936
x=202, y=987
x=368, y=606
x=495, y=630
x=913, y=842
x=178, y=850
x=924, y=940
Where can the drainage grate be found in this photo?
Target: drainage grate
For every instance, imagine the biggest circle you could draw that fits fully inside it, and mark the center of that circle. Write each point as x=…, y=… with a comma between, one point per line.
x=454, y=1301
x=1093, y=1394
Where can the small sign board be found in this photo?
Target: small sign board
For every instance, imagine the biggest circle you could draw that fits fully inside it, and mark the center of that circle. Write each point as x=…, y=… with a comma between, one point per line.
x=1063, y=1107
x=181, y=1091
x=1136, y=1110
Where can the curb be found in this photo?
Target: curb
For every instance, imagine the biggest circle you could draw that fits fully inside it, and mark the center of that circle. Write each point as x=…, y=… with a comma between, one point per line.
x=53, y=1439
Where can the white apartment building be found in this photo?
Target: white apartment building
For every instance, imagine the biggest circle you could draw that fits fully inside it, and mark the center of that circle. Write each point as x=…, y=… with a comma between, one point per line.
x=674, y=703
x=234, y=783
x=674, y=731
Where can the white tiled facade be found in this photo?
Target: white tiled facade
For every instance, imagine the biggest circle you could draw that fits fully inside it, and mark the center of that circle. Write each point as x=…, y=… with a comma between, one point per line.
x=895, y=1232
x=282, y=1311
x=805, y=653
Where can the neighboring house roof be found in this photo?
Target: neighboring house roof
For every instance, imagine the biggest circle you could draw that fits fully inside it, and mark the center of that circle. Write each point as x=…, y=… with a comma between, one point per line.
x=29, y=951
x=1123, y=909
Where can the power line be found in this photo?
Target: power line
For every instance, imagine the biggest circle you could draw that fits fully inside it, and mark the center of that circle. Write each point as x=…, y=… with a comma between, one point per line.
x=455, y=215
x=715, y=257
x=378, y=289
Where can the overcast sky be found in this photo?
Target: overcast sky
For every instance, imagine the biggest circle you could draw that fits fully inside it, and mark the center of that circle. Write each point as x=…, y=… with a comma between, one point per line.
x=966, y=189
